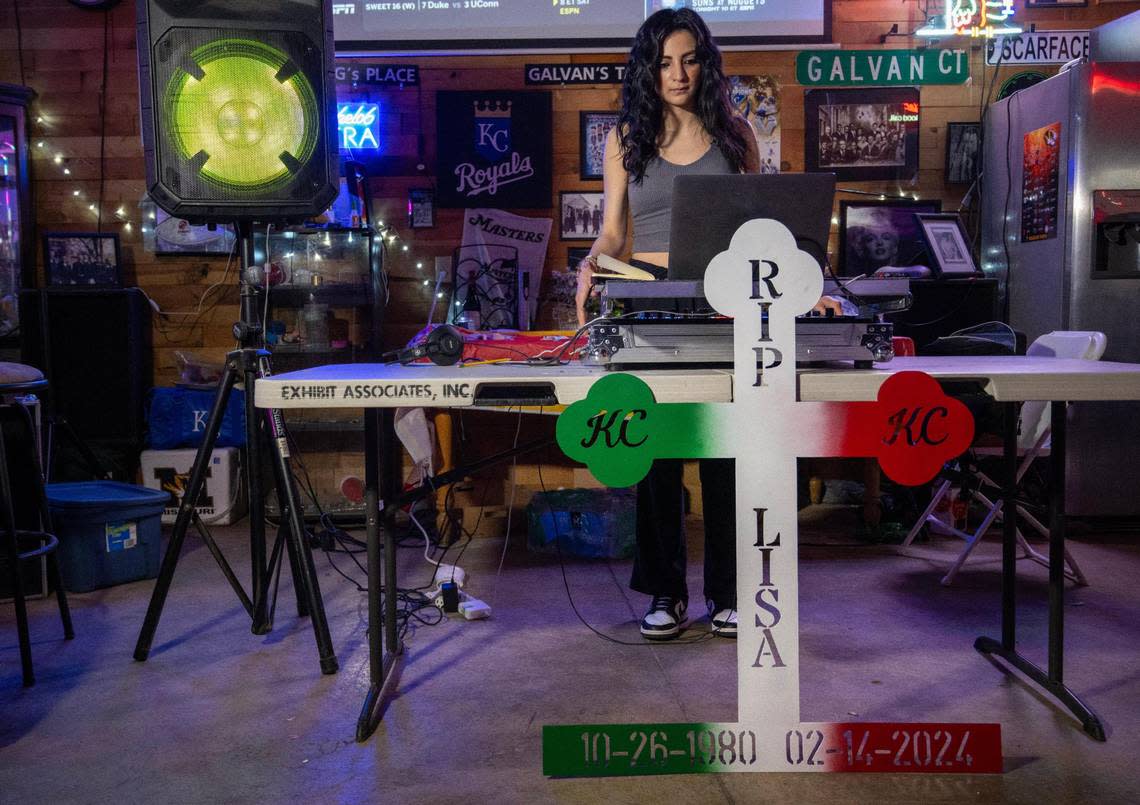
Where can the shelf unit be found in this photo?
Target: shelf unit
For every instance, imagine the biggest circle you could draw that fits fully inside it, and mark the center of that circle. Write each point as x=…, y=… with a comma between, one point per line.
x=325, y=305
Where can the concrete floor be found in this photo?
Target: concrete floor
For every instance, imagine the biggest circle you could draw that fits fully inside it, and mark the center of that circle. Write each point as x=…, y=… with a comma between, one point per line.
x=220, y=715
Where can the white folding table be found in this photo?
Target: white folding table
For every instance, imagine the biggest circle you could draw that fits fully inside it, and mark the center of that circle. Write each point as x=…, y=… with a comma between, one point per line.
x=1007, y=380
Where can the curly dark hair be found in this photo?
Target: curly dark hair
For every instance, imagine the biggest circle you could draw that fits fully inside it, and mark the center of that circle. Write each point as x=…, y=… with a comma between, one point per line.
x=641, y=118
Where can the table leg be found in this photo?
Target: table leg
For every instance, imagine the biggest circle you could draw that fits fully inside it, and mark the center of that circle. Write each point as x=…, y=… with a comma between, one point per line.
x=1053, y=680
x=383, y=667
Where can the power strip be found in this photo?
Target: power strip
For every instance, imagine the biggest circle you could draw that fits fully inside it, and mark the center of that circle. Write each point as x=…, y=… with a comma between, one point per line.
x=445, y=572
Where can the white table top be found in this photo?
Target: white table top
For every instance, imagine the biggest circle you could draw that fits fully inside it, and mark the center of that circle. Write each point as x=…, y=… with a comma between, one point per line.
x=1005, y=378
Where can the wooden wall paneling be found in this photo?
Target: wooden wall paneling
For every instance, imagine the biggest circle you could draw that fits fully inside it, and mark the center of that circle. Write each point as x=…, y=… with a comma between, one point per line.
x=63, y=61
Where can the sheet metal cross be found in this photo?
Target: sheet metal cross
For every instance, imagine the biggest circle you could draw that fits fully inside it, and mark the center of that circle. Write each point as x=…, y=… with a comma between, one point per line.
x=763, y=280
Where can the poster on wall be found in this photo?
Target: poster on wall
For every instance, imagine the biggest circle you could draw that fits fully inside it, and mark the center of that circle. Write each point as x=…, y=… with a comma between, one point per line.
x=593, y=129
x=862, y=134
x=494, y=149
x=1040, y=179
x=487, y=232
x=756, y=98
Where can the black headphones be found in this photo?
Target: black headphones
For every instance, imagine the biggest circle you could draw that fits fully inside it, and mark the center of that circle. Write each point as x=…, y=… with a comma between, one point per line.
x=444, y=345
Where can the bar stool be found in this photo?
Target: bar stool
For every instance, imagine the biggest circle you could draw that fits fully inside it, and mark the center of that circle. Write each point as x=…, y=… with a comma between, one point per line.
x=17, y=380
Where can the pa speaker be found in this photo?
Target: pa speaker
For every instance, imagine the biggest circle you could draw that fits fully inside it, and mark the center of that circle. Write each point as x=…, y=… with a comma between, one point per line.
x=94, y=346
x=238, y=107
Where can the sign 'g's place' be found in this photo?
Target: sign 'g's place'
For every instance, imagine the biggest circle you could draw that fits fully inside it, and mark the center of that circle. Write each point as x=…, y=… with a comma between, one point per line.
x=868, y=68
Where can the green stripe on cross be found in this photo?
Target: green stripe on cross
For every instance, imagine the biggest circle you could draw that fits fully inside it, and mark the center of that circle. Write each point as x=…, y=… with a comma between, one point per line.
x=607, y=750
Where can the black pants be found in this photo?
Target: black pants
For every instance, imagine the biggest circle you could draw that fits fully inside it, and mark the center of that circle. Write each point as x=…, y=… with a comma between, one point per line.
x=659, y=564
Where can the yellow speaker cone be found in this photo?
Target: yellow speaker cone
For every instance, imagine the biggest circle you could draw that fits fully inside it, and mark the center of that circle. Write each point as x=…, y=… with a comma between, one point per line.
x=243, y=114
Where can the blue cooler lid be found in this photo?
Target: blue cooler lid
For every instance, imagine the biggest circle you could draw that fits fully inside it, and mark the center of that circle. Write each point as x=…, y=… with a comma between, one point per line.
x=97, y=494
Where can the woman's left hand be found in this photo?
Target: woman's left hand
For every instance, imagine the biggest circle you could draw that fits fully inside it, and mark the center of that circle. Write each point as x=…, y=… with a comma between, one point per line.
x=828, y=305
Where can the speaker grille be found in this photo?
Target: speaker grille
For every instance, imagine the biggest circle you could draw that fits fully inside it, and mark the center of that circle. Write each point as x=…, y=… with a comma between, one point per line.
x=243, y=114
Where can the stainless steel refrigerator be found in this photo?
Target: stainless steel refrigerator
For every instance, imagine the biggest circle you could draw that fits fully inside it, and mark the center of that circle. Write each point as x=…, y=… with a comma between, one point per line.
x=1061, y=233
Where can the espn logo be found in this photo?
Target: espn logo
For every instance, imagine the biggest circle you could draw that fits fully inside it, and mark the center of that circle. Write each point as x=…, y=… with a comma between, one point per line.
x=344, y=8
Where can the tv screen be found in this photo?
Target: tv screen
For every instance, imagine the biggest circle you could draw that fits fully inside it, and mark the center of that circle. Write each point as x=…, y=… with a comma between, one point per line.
x=425, y=26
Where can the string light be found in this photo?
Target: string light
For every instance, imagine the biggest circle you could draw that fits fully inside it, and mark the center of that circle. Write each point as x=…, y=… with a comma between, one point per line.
x=386, y=232
x=63, y=162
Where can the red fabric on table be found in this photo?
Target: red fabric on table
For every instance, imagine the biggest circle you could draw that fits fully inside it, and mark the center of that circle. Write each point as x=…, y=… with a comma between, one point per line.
x=519, y=345
x=513, y=345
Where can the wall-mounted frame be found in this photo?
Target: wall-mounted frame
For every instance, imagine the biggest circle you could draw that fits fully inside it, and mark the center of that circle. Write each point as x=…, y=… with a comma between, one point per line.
x=421, y=208
x=575, y=255
x=874, y=234
x=593, y=128
x=963, y=152
x=580, y=214
x=946, y=240
x=82, y=259
x=862, y=134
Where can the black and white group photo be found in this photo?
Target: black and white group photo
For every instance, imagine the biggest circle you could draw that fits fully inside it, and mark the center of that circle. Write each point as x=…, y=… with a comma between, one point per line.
x=852, y=135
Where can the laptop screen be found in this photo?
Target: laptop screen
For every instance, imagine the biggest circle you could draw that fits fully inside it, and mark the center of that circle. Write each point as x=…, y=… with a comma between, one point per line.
x=707, y=211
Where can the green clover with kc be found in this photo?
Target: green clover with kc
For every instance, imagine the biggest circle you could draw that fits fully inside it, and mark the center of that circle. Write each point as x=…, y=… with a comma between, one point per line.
x=619, y=429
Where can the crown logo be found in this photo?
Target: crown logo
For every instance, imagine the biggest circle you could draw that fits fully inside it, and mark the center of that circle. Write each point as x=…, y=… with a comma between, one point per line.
x=492, y=108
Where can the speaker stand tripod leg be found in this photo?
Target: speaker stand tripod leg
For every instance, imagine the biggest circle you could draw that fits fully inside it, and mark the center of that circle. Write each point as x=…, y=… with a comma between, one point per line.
x=295, y=568
x=186, y=512
x=304, y=569
x=255, y=467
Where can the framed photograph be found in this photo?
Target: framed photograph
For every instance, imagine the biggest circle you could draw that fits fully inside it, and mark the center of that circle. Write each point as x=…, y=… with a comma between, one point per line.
x=947, y=243
x=82, y=259
x=593, y=128
x=575, y=255
x=580, y=214
x=421, y=208
x=874, y=234
x=862, y=134
x=963, y=152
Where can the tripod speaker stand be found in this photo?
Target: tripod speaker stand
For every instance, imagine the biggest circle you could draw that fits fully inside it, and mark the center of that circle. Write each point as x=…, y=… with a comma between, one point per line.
x=264, y=428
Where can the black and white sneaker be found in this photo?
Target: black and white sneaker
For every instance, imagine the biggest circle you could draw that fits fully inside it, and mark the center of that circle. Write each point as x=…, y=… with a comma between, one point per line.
x=723, y=620
x=665, y=618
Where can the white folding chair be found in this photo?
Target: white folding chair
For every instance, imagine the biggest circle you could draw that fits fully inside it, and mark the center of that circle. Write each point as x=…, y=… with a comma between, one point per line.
x=1032, y=442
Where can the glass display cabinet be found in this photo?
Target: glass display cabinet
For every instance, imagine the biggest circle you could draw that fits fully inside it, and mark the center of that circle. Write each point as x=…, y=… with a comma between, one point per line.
x=325, y=305
x=325, y=296
x=17, y=255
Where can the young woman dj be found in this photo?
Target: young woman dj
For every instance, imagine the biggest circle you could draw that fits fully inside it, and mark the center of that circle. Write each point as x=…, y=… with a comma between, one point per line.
x=676, y=118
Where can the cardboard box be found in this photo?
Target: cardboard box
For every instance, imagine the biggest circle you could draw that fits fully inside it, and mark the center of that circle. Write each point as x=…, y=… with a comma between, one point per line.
x=478, y=522
x=552, y=476
x=584, y=479
x=222, y=502
x=327, y=474
x=691, y=481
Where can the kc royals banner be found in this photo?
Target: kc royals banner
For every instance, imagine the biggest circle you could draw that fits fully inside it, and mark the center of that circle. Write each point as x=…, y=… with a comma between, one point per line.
x=494, y=149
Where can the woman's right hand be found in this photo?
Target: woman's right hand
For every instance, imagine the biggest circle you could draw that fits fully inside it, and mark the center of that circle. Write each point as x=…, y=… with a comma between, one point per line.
x=586, y=270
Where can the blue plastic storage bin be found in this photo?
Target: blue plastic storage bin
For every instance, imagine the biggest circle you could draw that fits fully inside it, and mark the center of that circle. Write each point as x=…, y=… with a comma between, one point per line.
x=109, y=532
x=591, y=523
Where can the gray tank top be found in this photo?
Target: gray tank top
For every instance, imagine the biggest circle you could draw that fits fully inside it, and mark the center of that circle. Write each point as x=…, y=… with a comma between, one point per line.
x=651, y=201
